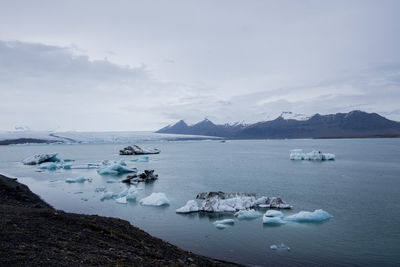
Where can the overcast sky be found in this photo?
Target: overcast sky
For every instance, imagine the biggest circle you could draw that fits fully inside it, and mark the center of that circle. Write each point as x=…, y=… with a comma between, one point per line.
x=139, y=65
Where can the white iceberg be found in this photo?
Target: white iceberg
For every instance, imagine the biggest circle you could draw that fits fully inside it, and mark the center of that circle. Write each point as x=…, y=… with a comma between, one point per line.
x=190, y=206
x=298, y=154
x=80, y=179
x=114, y=168
x=247, y=214
x=273, y=213
x=308, y=216
x=155, y=199
x=107, y=195
x=131, y=194
x=37, y=159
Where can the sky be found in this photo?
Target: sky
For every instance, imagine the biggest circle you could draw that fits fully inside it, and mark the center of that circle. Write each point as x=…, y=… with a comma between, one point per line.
x=140, y=65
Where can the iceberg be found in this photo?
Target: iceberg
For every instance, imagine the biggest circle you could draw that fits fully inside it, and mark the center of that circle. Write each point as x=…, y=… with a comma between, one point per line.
x=232, y=202
x=137, y=150
x=114, y=168
x=190, y=206
x=308, y=216
x=49, y=166
x=281, y=246
x=247, y=214
x=222, y=224
x=273, y=213
x=298, y=154
x=142, y=159
x=155, y=199
x=86, y=166
x=146, y=176
x=107, y=195
x=37, y=159
x=131, y=194
x=80, y=179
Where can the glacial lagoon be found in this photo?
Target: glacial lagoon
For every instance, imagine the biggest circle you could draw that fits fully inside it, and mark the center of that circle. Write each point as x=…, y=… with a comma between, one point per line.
x=360, y=189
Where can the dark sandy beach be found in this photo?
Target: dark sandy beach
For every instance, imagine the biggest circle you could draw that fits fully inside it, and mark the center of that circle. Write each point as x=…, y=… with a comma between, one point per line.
x=34, y=233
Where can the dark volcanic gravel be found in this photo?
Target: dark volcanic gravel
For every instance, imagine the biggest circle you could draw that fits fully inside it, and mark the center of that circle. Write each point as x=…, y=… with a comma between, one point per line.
x=33, y=233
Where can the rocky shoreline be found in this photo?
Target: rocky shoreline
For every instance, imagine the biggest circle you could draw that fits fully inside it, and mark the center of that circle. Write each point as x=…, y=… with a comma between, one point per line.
x=34, y=233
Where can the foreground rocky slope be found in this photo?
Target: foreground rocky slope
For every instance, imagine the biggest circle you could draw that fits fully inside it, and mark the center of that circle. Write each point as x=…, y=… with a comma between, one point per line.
x=35, y=234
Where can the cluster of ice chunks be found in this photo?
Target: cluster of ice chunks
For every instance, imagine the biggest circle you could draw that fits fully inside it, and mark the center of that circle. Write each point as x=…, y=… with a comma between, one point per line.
x=114, y=168
x=123, y=197
x=298, y=154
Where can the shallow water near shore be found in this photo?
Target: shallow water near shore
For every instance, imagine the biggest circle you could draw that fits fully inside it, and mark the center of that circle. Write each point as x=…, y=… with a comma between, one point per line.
x=360, y=189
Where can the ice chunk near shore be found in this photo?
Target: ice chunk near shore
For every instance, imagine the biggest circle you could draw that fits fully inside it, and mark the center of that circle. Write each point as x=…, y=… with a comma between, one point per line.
x=121, y=200
x=298, y=154
x=80, y=179
x=155, y=199
x=114, y=168
x=190, y=206
x=308, y=216
x=247, y=214
x=37, y=159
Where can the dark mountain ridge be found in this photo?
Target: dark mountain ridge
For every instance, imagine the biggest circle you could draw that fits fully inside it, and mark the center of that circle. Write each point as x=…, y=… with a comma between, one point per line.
x=353, y=124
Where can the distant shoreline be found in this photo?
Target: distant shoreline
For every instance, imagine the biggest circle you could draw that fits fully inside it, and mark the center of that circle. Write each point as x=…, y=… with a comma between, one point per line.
x=26, y=141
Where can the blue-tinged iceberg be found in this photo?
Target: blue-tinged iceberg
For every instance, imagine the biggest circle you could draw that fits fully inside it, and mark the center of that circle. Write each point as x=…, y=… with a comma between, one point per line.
x=298, y=154
x=222, y=224
x=114, y=168
x=308, y=216
x=80, y=179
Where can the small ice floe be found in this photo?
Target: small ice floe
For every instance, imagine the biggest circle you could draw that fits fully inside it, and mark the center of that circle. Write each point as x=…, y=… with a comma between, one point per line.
x=222, y=224
x=114, y=168
x=247, y=214
x=50, y=166
x=308, y=216
x=128, y=194
x=80, y=179
x=100, y=189
x=142, y=159
x=232, y=202
x=37, y=159
x=155, y=199
x=298, y=154
x=190, y=206
x=107, y=195
x=146, y=176
x=110, y=181
x=136, y=150
x=280, y=247
x=273, y=213
x=66, y=166
x=273, y=217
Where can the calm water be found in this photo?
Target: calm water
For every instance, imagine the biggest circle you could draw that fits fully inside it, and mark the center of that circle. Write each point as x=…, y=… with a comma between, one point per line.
x=361, y=189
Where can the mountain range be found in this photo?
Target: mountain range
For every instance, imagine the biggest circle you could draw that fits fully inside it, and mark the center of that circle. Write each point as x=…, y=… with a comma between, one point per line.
x=355, y=124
